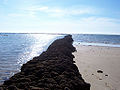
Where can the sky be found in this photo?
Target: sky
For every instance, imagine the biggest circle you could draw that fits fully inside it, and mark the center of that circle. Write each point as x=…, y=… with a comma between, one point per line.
x=60, y=16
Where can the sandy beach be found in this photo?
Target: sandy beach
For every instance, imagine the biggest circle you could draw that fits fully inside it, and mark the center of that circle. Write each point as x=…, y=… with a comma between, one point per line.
x=99, y=66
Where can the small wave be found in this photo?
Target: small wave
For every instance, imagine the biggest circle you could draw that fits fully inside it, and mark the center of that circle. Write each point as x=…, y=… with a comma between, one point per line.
x=96, y=44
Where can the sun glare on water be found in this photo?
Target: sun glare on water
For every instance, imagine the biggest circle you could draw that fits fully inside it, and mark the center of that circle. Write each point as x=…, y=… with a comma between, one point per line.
x=39, y=44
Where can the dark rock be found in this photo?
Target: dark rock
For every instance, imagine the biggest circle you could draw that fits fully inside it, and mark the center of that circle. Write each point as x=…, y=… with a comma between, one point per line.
x=12, y=87
x=54, y=69
x=36, y=88
x=66, y=88
x=106, y=75
x=99, y=71
x=1, y=88
x=100, y=78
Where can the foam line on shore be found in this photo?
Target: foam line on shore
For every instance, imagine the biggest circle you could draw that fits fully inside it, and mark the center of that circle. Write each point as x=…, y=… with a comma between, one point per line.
x=97, y=44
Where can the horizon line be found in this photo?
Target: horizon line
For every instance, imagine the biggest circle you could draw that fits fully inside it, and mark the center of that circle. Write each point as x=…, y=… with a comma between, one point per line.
x=57, y=33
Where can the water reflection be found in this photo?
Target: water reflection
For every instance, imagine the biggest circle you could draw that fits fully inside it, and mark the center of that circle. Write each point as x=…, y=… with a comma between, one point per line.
x=17, y=49
x=39, y=43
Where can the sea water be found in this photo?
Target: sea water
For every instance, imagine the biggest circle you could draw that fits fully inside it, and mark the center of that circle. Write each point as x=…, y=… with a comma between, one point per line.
x=97, y=40
x=16, y=49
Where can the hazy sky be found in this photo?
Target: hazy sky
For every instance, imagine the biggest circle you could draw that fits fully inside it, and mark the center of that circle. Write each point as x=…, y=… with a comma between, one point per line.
x=60, y=16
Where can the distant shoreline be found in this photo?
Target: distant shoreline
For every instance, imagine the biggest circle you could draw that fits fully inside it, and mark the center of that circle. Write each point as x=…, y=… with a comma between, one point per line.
x=109, y=44
x=57, y=33
x=35, y=33
x=98, y=44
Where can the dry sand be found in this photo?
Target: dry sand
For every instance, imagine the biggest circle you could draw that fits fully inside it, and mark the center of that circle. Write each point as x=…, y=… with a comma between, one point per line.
x=89, y=59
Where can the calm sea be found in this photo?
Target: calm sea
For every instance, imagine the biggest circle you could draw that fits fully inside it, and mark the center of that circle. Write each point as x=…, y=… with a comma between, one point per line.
x=97, y=39
x=17, y=49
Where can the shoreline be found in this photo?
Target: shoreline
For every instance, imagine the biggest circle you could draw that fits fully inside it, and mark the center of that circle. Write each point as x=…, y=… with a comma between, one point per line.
x=99, y=66
x=54, y=69
x=97, y=44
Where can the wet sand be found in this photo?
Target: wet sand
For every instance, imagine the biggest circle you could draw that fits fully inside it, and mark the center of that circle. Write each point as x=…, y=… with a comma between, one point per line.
x=99, y=66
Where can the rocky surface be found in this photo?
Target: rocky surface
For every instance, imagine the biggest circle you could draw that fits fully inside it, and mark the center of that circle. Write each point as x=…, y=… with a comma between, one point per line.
x=54, y=69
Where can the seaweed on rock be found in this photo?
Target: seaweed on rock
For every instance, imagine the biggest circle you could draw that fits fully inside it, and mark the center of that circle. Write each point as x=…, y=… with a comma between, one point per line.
x=54, y=69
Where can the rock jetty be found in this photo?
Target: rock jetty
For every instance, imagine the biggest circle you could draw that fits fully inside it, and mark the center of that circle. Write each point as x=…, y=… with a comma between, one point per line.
x=54, y=69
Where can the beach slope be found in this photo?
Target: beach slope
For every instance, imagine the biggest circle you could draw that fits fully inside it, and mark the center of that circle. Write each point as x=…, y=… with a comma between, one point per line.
x=99, y=66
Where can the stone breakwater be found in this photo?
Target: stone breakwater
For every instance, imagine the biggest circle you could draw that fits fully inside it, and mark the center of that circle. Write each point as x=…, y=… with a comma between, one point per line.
x=54, y=69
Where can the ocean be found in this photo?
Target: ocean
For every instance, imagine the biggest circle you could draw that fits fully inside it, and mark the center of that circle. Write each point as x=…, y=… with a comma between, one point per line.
x=97, y=40
x=16, y=49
